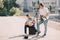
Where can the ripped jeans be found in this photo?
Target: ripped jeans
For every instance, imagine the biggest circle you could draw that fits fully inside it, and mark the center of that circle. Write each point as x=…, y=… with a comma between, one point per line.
x=39, y=23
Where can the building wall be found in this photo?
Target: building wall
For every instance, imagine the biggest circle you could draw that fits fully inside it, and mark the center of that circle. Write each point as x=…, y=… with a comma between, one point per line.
x=58, y=3
x=52, y=3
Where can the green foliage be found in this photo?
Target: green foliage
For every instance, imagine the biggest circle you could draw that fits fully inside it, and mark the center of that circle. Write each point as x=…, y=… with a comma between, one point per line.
x=1, y=4
x=6, y=5
x=3, y=12
x=12, y=11
x=9, y=3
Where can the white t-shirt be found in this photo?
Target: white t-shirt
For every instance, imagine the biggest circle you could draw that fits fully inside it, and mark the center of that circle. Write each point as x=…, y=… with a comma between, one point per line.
x=43, y=12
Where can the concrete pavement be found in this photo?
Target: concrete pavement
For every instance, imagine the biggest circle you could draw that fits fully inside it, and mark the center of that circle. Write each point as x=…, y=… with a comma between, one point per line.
x=14, y=26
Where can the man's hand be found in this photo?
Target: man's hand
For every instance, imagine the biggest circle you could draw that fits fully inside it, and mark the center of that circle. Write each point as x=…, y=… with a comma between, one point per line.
x=30, y=24
x=43, y=16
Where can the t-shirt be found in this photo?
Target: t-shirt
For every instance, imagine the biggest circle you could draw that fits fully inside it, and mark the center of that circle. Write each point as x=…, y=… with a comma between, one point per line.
x=30, y=19
x=43, y=12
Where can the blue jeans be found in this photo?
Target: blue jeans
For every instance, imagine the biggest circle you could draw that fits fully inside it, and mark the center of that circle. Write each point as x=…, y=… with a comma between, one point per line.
x=45, y=24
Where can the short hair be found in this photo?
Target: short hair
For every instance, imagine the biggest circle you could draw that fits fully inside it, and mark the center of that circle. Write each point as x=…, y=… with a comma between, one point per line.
x=41, y=4
x=27, y=15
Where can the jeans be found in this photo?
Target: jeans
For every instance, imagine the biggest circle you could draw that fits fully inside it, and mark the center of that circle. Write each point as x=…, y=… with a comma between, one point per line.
x=45, y=24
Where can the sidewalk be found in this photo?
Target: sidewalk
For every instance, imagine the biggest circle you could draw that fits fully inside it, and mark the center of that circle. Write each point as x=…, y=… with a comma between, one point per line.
x=53, y=24
x=14, y=26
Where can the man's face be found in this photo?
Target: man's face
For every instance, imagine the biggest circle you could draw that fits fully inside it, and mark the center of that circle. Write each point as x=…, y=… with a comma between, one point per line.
x=28, y=17
x=41, y=7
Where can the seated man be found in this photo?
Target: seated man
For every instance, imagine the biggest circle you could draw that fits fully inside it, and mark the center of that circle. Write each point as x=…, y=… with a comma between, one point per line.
x=30, y=23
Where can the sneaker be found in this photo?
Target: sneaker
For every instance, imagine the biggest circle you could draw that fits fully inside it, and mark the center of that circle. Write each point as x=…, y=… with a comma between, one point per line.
x=38, y=33
x=25, y=36
x=44, y=35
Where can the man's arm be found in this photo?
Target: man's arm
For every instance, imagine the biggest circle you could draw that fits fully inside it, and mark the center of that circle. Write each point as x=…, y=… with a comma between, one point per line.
x=35, y=20
x=47, y=14
x=38, y=16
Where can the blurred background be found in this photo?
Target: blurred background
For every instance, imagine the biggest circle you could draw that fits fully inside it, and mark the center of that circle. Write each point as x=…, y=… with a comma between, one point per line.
x=22, y=7
x=12, y=18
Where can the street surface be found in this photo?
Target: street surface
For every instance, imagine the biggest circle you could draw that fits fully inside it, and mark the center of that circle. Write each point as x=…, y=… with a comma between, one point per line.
x=14, y=27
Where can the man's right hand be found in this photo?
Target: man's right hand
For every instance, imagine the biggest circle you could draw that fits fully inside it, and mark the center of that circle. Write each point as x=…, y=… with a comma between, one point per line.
x=30, y=24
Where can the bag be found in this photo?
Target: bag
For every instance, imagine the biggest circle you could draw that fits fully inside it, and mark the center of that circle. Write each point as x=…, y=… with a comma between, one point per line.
x=32, y=30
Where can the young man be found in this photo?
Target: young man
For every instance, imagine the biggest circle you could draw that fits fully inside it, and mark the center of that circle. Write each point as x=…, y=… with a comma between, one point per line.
x=43, y=17
x=29, y=23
